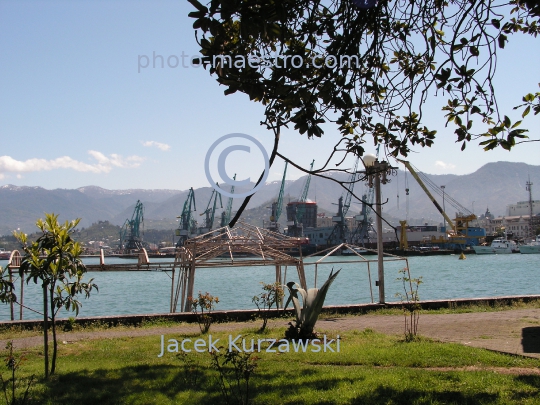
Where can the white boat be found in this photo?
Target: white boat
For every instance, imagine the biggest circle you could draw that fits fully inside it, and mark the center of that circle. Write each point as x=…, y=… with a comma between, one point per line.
x=353, y=252
x=531, y=247
x=4, y=254
x=498, y=246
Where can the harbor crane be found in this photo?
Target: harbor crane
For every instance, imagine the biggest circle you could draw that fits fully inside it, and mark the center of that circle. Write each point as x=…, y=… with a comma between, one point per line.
x=364, y=225
x=130, y=236
x=210, y=212
x=363, y=221
x=460, y=233
x=297, y=209
x=340, y=232
x=277, y=205
x=187, y=223
x=226, y=214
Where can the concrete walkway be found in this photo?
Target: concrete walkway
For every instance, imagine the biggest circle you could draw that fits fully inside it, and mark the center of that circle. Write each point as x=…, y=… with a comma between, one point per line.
x=511, y=331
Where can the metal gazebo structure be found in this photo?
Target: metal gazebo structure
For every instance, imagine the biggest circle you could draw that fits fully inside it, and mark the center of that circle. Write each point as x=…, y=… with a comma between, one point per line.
x=242, y=246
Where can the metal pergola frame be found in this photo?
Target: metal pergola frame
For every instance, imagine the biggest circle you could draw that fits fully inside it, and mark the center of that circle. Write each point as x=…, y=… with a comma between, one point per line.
x=360, y=259
x=222, y=247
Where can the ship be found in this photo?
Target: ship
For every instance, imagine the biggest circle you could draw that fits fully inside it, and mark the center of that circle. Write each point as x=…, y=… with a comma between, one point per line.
x=531, y=247
x=498, y=246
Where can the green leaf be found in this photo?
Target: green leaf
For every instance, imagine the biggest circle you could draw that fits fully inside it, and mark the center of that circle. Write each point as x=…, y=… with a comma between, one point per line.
x=527, y=110
x=198, y=6
x=502, y=39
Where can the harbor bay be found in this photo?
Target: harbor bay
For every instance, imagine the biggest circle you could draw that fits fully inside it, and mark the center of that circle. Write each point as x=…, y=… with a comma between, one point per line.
x=443, y=277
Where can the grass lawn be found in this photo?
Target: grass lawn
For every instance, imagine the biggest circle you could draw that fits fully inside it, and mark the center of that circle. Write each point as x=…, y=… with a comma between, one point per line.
x=371, y=368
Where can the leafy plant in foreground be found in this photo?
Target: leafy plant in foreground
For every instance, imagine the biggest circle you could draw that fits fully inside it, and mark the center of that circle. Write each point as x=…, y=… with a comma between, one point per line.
x=204, y=302
x=54, y=259
x=13, y=363
x=6, y=287
x=312, y=303
x=272, y=294
x=191, y=374
x=410, y=303
x=234, y=373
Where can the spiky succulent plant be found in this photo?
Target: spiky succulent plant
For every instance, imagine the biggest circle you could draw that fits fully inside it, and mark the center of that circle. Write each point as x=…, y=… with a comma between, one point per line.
x=308, y=312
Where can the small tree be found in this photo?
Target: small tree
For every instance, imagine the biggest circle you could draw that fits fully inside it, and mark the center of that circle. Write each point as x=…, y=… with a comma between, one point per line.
x=12, y=385
x=54, y=260
x=272, y=294
x=410, y=302
x=235, y=370
x=204, y=302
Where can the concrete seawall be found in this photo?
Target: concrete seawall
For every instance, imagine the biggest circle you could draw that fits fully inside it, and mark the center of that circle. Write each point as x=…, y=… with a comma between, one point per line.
x=250, y=314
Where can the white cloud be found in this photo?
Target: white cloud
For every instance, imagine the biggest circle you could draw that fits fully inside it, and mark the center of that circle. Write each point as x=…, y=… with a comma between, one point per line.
x=442, y=165
x=104, y=163
x=162, y=146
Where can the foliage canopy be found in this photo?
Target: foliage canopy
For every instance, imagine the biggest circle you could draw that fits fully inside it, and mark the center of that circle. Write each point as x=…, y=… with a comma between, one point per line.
x=369, y=71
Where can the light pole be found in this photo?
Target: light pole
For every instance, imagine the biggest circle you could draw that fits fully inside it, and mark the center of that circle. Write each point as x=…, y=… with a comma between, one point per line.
x=444, y=208
x=377, y=173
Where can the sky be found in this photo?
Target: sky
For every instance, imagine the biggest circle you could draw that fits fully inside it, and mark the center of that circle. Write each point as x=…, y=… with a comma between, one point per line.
x=77, y=108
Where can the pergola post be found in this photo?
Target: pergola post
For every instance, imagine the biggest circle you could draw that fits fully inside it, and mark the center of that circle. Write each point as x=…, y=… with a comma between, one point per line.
x=191, y=279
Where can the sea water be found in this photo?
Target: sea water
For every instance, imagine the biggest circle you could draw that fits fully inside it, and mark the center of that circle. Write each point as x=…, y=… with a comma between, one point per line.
x=443, y=277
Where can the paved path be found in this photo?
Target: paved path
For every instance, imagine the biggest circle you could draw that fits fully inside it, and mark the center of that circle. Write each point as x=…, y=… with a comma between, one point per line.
x=501, y=331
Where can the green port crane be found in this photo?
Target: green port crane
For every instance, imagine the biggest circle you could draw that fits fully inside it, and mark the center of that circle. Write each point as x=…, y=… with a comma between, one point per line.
x=226, y=214
x=187, y=223
x=130, y=236
x=211, y=211
x=340, y=233
x=297, y=209
x=302, y=207
x=277, y=206
x=363, y=221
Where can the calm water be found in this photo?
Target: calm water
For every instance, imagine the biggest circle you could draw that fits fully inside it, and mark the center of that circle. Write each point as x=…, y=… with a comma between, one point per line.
x=443, y=277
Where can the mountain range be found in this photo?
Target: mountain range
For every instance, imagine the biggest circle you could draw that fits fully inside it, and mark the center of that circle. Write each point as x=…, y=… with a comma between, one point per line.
x=494, y=186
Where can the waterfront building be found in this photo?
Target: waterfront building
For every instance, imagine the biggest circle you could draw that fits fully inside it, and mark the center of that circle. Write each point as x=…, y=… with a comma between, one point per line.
x=518, y=225
x=523, y=208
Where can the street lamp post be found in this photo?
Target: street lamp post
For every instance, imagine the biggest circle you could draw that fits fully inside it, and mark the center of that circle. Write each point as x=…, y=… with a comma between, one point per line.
x=444, y=208
x=377, y=174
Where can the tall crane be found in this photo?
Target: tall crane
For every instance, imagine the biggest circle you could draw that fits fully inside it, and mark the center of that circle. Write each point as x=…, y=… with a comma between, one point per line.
x=430, y=196
x=277, y=205
x=130, y=237
x=363, y=224
x=363, y=221
x=226, y=214
x=528, y=187
x=302, y=208
x=340, y=233
x=210, y=211
x=187, y=223
x=297, y=209
x=461, y=234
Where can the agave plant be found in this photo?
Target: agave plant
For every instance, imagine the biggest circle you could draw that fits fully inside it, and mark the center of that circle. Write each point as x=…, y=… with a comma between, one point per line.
x=312, y=303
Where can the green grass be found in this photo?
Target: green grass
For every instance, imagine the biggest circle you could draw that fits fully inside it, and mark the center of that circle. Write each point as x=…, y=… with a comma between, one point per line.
x=371, y=368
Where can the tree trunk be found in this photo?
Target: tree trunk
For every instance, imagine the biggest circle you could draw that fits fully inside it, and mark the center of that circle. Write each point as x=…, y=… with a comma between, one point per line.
x=55, y=343
x=45, y=330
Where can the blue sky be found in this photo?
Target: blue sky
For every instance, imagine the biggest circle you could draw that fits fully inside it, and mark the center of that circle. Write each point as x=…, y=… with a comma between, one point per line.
x=75, y=110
